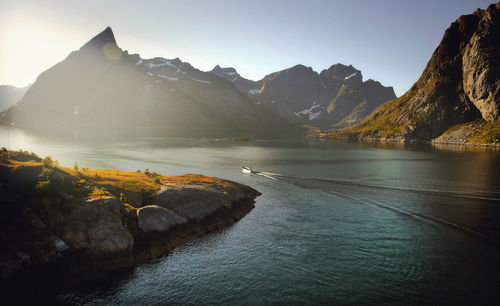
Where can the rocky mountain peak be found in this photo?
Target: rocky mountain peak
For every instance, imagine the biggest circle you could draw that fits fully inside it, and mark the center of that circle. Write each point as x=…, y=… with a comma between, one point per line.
x=228, y=70
x=100, y=40
x=339, y=71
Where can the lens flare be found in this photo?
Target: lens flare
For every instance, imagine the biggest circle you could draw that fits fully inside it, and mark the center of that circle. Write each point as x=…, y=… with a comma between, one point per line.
x=112, y=51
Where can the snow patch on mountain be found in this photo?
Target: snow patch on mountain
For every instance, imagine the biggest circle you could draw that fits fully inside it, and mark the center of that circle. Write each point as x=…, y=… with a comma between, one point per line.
x=140, y=61
x=351, y=75
x=201, y=81
x=253, y=91
x=163, y=62
x=167, y=77
x=229, y=73
x=310, y=112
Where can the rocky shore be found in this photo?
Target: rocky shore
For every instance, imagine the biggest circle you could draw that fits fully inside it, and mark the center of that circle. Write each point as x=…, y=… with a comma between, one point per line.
x=87, y=225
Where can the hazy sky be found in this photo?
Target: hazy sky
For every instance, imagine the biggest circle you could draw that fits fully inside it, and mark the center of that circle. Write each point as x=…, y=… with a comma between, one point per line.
x=389, y=41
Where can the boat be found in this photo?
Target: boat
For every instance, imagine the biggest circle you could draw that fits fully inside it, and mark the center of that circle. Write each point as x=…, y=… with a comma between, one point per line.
x=249, y=170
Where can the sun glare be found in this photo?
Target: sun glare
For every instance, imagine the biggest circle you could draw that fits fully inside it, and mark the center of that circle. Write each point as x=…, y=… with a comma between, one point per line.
x=33, y=44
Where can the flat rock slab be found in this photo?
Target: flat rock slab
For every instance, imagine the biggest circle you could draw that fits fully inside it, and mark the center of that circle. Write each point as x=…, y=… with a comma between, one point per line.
x=195, y=202
x=154, y=218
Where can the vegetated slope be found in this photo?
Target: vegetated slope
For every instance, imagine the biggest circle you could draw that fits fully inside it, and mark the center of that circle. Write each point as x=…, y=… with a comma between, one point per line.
x=460, y=84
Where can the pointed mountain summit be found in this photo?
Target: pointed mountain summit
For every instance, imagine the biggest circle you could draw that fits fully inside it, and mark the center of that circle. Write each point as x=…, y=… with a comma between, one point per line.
x=100, y=40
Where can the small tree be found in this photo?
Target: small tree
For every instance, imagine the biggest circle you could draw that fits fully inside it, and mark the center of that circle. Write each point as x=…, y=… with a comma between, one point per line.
x=75, y=166
x=123, y=198
x=47, y=161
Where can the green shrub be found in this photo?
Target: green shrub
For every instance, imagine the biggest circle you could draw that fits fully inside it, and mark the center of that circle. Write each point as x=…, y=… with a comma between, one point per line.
x=123, y=198
x=43, y=186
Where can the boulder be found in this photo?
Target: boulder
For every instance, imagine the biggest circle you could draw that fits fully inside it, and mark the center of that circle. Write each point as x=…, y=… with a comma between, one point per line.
x=153, y=218
x=93, y=227
x=196, y=202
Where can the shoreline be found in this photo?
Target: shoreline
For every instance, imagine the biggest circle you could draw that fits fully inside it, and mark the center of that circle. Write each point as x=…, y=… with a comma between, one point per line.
x=352, y=138
x=84, y=231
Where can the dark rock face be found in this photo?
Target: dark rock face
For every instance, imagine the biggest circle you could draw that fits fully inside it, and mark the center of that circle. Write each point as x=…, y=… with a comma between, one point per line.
x=93, y=227
x=459, y=84
x=337, y=95
x=100, y=40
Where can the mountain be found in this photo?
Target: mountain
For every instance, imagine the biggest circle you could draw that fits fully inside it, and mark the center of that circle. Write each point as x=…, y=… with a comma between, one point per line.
x=458, y=93
x=230, y=74
x=9, y=95
x=101, y=89
x=298, y=95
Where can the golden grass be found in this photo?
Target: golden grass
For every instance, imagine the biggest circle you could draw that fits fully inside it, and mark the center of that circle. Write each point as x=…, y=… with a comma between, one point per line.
x=121, y=180
x=15, y=164
x=98, y=194
x=488, y=133
x=138, y=181
x=99, y=182
x=128, y=206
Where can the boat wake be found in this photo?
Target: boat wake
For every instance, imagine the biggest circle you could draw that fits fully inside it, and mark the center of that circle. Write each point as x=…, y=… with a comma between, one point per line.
x=344, y=188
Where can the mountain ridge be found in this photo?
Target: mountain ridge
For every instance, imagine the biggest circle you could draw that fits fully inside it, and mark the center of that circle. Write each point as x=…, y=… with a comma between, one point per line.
x=101, y=87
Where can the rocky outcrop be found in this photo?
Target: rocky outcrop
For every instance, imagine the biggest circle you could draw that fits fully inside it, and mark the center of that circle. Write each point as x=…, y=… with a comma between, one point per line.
x=460, y=84
x=92, y=227
x=196, y=202
x=153, y=218
x=74, y=235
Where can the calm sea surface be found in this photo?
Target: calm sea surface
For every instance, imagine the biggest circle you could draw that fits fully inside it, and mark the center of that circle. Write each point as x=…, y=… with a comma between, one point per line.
x=339, y=223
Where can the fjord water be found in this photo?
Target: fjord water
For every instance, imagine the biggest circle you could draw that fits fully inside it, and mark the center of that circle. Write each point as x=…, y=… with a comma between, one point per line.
x=341, y=223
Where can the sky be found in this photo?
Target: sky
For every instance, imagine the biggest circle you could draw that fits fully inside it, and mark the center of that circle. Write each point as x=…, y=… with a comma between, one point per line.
x=390, y=41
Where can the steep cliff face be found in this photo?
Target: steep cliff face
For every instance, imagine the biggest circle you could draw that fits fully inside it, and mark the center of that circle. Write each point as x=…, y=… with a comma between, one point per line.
x=460, y=83
x=336, y=96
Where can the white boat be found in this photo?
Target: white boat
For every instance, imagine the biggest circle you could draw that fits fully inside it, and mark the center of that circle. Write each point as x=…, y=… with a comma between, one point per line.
x=247, y=170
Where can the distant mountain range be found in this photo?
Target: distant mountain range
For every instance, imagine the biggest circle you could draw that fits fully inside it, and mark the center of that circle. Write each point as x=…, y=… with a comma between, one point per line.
x=9, y=95
x=101, y=89
x=457, y=97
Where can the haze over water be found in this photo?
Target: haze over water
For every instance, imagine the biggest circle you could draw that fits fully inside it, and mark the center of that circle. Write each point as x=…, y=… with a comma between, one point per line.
x=340, y=223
